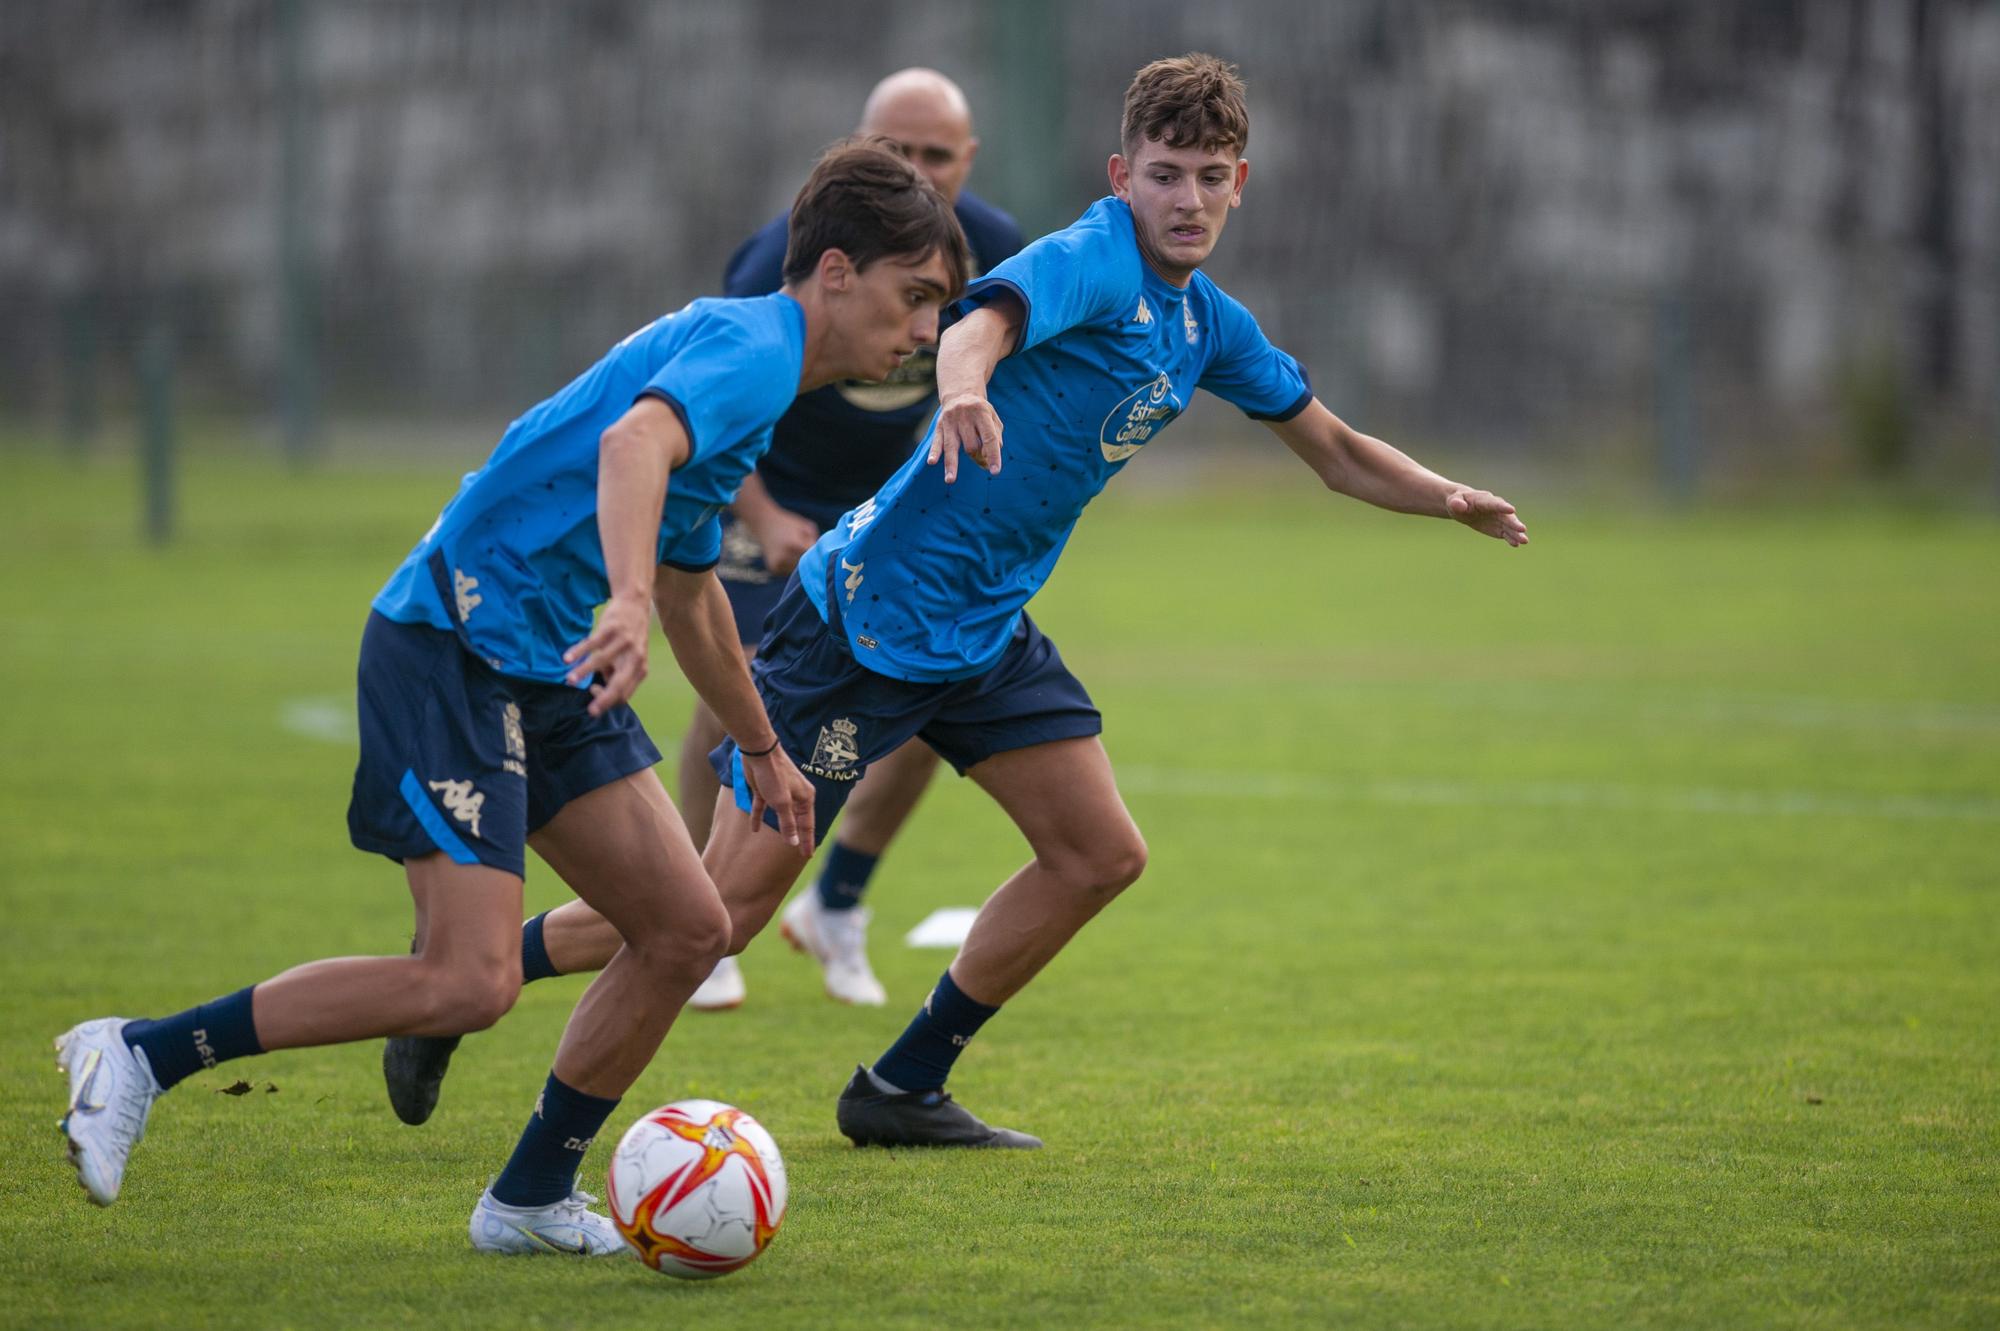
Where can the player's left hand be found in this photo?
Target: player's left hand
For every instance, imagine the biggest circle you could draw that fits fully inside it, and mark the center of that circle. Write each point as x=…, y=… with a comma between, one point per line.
x=615, y=652
x=1488, y=514
x=777, y=784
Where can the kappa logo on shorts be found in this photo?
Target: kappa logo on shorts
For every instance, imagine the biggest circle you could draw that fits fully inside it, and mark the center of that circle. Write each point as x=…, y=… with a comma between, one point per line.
x=517, y=743
x=837, y=751
x=466, y=591
x=461, y=801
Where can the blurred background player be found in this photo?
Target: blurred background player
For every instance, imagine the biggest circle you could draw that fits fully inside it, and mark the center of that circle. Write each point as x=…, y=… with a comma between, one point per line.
x=832, y=450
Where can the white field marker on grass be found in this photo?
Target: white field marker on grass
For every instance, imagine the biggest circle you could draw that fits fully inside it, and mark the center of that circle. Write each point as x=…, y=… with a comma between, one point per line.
x=945, y=927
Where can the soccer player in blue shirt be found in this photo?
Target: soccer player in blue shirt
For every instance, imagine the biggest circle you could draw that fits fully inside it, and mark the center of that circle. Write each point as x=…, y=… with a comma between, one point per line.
x=832, y=450
x=907, y=618
x=494, y=712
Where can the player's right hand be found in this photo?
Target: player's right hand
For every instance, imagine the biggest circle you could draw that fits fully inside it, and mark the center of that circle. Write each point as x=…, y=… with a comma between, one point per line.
x=777, y=784
x=969, y=425
x=784, y=536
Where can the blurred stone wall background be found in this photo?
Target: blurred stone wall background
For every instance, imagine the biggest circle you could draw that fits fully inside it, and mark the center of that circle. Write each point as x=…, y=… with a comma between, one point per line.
x=1762, y=231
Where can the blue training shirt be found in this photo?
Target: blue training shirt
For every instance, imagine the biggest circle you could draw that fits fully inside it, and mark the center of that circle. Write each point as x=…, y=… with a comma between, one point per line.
x=838, y=444
x=514, y=564
x=931, y=578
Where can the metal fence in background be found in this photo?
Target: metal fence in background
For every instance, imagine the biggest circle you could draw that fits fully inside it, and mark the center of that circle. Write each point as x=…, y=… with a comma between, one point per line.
x=1709, y=236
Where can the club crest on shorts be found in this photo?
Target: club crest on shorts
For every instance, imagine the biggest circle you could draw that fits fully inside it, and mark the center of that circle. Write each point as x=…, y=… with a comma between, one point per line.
x=837, y=751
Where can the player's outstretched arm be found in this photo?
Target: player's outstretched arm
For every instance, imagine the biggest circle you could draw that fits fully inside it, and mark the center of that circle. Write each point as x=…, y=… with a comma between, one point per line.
x=694, y=614
x=634, y=458
x=970, y=348
x=1367, y=469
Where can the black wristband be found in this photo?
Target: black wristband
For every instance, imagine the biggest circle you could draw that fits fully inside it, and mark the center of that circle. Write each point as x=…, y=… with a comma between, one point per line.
x=761, y=753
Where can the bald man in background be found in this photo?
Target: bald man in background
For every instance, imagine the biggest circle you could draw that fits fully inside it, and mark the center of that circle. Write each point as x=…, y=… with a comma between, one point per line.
x=833, y=449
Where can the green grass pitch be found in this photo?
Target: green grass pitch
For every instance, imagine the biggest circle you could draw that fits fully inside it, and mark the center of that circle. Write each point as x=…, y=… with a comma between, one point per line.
x=1605, y=933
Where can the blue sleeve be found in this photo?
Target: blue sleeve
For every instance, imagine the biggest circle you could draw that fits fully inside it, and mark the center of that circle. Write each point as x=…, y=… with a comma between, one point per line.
x=1248, y=372
x=698, y=551
x=1065, y=280
x=724, y=382
x=758, y=266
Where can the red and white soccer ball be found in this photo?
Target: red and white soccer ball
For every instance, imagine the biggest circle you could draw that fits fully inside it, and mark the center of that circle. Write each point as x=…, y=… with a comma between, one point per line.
x=698, y=1188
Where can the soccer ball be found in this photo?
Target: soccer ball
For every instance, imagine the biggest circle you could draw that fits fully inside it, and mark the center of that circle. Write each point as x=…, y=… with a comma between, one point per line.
x=698, y=1188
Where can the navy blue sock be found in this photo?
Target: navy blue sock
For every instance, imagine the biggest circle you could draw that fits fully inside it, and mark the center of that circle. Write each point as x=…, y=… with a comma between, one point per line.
x=542, y=1169
x=179, y=1046
x=535, y=963
x=922, y=1056
x=844, y=877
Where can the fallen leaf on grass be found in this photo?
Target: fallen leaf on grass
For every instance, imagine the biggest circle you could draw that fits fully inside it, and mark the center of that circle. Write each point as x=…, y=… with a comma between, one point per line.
x=235, y=1088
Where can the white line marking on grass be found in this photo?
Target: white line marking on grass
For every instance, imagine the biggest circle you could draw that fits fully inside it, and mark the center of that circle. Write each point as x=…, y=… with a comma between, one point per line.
x=329, y=720
x=1555, y=795
x=1796, y=712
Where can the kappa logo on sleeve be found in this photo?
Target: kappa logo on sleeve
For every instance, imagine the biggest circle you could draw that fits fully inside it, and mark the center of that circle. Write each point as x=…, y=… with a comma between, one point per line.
x=1145, y=314
x=853, y=582
x=466, y=591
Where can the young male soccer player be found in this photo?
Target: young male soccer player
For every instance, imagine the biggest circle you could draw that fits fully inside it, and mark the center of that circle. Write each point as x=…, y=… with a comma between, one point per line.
x=494, y=716
x=831, y=450
x=908, y=618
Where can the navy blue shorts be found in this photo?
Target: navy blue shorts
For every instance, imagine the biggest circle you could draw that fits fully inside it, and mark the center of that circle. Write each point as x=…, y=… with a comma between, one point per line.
x=835, y=716
x=459, y=758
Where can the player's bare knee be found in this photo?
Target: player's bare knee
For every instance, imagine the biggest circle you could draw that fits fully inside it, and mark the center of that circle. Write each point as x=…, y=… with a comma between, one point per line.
x=1103, y=867
x=462, y=999
x=1120, y=864
x=688, y=943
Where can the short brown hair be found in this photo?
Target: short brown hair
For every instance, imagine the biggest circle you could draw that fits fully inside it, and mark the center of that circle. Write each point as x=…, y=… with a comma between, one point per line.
x=865, y=200
x=1187, y=101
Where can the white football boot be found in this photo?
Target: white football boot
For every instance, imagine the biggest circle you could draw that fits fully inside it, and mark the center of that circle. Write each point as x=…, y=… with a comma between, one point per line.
x=111, y=1090
x=838, y=940
x=568, y=1226
x=722, y=990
